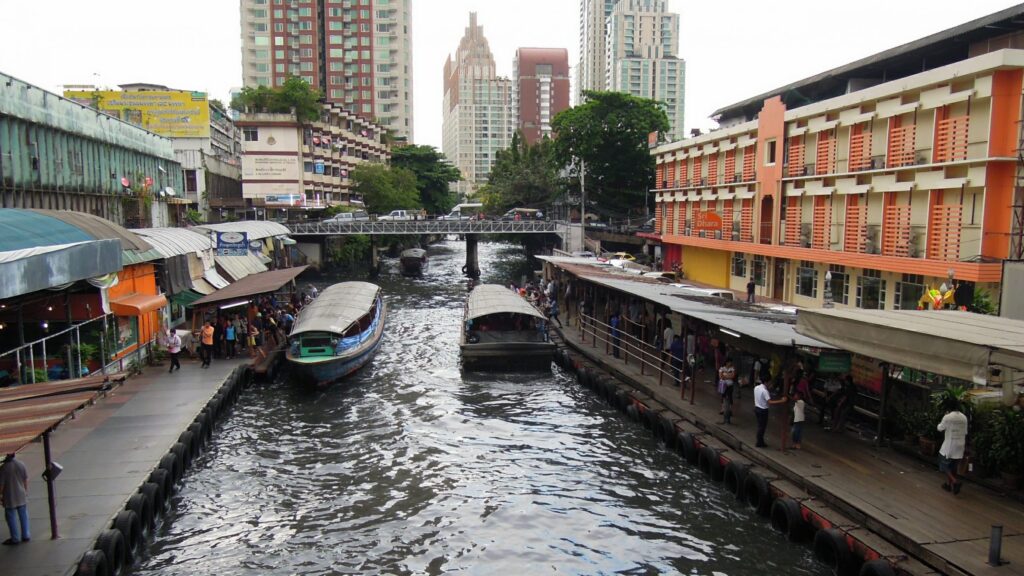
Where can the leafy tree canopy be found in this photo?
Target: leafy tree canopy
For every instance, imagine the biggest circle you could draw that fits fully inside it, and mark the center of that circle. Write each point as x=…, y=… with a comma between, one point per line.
x=433, y=175
x=295, y=93
x=609, y=133
x=523, y=175
x=386, y=188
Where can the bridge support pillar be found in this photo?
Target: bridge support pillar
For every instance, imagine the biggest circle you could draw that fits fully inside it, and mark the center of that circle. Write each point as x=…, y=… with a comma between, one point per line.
x=374, y=258
x=472, y=267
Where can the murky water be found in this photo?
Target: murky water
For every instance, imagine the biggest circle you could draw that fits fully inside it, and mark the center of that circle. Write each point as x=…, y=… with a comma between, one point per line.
x=411, y=467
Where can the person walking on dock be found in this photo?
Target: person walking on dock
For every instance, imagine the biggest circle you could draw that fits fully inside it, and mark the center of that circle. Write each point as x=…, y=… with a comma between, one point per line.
x=553, y=311
x=174, y=349
x=206, y=340
x=750, y=290
x=14, y=492
x=954, y=426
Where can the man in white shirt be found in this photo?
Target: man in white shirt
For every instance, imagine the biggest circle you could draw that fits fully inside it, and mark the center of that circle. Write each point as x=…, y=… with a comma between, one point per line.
x=762, y=401
x=954, y=425
x=173, y=348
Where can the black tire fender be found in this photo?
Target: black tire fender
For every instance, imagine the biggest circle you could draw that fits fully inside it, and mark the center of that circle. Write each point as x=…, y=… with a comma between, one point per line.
x=633, y=412
x=877, y=567
x=757, y=493
x=184, y=454
x=143, y=508
x=155, y=494
x=668, y=432
x=688, y=447
x=709, y=461
x=733, y=477
x=111, y=543
x=128, y=524
x=650, y=420
x=200, y=433
x=93, y=563
x=787, y=519
x=163, y=479
x=172, y=464
x=830, y=549
x=189, y=440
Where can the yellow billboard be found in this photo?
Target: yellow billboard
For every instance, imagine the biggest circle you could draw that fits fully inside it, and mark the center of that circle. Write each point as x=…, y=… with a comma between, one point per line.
x=170, y=113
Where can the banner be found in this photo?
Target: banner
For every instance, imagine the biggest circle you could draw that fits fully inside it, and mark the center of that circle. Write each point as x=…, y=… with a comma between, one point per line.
x=707, y=221
x=232, y=244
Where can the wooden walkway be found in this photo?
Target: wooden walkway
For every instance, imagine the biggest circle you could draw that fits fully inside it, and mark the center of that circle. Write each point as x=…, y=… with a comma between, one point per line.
x=893, y=495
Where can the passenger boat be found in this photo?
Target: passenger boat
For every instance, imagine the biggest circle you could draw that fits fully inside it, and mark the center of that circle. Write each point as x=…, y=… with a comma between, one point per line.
x=501, y=330
x=414, y=261
x=337, y=333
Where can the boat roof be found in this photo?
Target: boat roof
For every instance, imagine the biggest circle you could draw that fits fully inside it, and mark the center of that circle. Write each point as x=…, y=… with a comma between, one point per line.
x=336, y=308
x=494, y=299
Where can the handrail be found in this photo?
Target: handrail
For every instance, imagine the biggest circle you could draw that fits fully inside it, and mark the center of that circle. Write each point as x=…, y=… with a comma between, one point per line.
x=630, y=347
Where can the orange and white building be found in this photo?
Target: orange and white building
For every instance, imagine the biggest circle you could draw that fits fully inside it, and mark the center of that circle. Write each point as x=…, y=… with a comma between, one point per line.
x=890, y=175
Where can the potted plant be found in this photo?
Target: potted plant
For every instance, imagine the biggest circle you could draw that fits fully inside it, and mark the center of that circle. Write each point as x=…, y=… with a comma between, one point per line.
x=1006, y=445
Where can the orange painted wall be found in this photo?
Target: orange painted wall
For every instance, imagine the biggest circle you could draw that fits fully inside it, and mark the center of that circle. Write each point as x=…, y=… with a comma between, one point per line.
x=1006, y=91
x=998, y=217
x=771, y=124
x=138, y=279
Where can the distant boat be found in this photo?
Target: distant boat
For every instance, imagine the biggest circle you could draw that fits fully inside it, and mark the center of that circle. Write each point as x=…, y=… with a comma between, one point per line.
x=414, y=261
x=337, y=333
x=502, y=330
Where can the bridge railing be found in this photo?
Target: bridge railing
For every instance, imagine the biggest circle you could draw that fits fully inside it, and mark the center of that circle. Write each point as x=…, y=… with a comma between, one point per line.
x=401, y=227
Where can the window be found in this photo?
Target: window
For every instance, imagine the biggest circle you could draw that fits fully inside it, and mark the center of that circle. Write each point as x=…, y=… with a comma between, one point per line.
x=190, y=181
x=307, y=166
x=251, y=134
x=871, y=290
x=769, y=153
x=760, y=265
x=739, y=264
x=807, y=279
x=840, y=285
x=909, y=291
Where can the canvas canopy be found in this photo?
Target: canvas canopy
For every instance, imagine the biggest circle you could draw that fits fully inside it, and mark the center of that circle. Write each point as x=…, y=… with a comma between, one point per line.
x=951, y=343
x=252, y=286
x=336, y=308
x=494, y=299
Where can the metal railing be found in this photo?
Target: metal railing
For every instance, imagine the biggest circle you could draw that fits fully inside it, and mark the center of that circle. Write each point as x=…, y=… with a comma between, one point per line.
x=396, y=227
x=70, y=340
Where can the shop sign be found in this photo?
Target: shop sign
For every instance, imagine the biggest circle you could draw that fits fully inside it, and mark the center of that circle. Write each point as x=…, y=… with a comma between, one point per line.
x=705, y=221
x=834, y=363
x=866, y=372
x=232, y=244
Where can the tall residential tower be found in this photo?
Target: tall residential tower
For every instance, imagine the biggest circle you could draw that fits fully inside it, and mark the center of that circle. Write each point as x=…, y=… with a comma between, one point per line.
x=590, y=74
x=478, y=116
x=540, y=89
x=358, y=53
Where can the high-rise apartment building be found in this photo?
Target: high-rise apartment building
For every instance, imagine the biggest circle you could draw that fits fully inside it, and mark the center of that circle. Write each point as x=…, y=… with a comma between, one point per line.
x=478, y=117
x=358, y=53
x=642, y=42
x=590, y=74
x=540, y=79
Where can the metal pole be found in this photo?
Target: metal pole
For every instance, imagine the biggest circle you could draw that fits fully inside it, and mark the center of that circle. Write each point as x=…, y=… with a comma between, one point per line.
x=995, y=545
x=103, y=346
x=583, y=206
x=32, y=363
x=50, y=494
x=78, y=348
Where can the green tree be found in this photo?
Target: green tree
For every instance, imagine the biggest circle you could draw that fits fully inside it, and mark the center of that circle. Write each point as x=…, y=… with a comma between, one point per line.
x=523, y=175
x=385, y=188
x=295, y=94
x=609, y=134
x=433, y=175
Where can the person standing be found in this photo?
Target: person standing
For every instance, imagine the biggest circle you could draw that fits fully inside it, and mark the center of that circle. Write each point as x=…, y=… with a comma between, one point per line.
x=173, y=348
x=954, y=426
x=613, y=323
x=750, y=290
x=206, y=340
x=726, y=385
x=798, y=419
x=762, y=402
x=667, y=335
x=554, y=311
x=230, y=339
x=14, y=492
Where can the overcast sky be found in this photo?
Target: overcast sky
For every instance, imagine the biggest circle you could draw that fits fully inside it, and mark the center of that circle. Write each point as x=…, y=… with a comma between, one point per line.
x=733, y=49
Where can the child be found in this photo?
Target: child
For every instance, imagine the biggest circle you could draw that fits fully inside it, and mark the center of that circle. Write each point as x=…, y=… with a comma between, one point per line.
x=798, y=418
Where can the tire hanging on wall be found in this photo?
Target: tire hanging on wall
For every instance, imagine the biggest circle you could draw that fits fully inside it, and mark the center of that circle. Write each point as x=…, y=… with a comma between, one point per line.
x=830, y=549
x=877, y=567
x=787, y=519
x=93, y=563
x=128, y=524
x=757, y=493
x=733, y=477
x=710, y=463
x=143, y=508
x=688, y=447
x=154, y=493
x=111, y=543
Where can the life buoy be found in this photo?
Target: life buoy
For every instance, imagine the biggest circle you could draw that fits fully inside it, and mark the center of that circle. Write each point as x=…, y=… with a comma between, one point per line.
x=111, y=543
x=128, y=524
x=757, y=493
x=93, y=563
x=688, y=447
x=787, y=519
x=172, y=464
x=143, y=508
x=733, y=477
x=877, y=567
x=830, y=549
x=709, y=462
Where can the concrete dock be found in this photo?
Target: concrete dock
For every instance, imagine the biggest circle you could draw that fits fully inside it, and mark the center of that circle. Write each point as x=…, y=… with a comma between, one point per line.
x=108, y=451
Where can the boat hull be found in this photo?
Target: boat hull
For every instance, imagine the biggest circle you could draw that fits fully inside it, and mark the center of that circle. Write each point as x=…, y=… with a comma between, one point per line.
x=329, y=371
x=508, y=356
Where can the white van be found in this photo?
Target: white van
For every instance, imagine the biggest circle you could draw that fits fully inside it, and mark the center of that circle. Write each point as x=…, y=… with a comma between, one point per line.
x=466, y=211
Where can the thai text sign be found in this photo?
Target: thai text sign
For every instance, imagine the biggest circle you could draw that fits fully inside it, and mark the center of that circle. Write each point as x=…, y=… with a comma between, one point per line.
x=232, y=244
x=707, y=221
x=170, y=113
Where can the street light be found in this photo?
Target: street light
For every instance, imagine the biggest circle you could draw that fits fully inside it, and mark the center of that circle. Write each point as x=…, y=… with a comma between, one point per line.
x=828, y=291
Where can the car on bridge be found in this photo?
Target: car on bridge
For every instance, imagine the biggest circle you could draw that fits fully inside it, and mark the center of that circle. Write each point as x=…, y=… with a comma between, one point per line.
x=396, y=215
x=354, y=216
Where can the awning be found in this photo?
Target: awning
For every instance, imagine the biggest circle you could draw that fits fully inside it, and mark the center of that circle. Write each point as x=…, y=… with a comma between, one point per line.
x=238, y=267
x=215, y=279
x=203, y=287
x=31, y=269
x=947, y=342
x=187, y=297
x=252, y=286
x=137, y=304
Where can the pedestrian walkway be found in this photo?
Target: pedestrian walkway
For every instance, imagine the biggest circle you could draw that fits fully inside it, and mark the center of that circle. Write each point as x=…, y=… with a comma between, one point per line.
x=892, y=494
x=107, y=451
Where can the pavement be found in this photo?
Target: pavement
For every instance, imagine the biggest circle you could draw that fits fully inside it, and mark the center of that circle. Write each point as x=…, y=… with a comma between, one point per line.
x=108, y=450
x=893, y=494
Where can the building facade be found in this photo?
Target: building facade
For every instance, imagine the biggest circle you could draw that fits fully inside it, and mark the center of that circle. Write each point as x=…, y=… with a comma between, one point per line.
x=869, y=196
x=58, y=154
x=478, y=120
x=357, y=53
x=288, y=165
x=642, y=44
x=540, y=78
x=591, y=70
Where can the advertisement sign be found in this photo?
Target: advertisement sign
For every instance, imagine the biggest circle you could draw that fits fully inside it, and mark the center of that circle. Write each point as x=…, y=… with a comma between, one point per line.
x=284, y=199
x=232, y=244
x=703, y=221
x=270, y=167
x=170, y=113
x=867, y=373
x=318, y=167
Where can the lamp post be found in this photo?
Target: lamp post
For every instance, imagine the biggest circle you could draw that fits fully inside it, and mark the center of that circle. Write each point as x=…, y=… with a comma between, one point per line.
x=828, y=291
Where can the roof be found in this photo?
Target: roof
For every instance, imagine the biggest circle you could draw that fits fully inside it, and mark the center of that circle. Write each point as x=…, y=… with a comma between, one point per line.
x=948, y=342
x=253, y=285
x=494, y=299
x=175, y=241
x=254, y=229
x=20, y=229
x=134, y=249
x=238, y=267
x=336, y=308
x=29, y=410
x=32, y=269
x=926, y=53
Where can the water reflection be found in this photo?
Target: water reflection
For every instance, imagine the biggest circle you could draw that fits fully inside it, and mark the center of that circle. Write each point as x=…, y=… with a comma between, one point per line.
x=411, y=467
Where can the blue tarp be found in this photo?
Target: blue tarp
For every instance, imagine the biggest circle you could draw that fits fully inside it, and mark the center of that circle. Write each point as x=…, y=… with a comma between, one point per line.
x=20, y=229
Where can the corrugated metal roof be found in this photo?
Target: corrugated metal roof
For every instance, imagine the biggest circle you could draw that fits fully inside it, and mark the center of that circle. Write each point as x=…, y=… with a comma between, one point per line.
x=253, y=285
x=202, y=286
x=336, y=308
x=21, y=229
x=254, y=229
x=238, y=267
x=494, y=299
x=215, y=279
x=134, y=248
x=31, y=269
x=175, y=241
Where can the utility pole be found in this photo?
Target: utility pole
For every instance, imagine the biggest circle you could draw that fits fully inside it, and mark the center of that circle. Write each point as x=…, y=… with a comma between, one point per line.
x=583, y=206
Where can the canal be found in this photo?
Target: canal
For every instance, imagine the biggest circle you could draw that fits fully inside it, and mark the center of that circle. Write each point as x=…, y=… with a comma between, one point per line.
x=411, y=467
